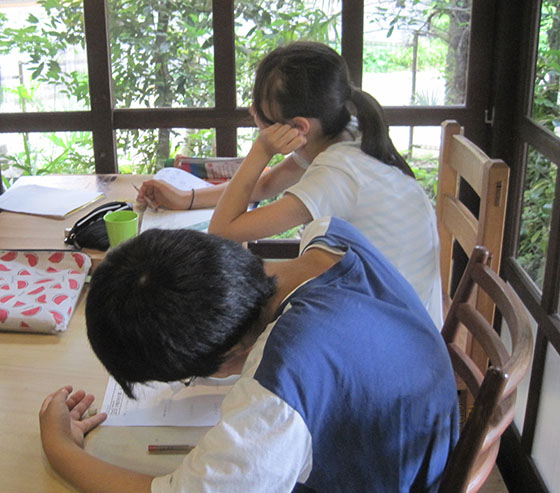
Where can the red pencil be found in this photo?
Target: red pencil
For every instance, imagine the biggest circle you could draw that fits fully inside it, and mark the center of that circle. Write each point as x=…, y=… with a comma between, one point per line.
x=170, y=448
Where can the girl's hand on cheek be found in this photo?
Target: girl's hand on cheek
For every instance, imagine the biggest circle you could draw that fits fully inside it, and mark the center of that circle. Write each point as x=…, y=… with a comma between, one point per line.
x=281, y=139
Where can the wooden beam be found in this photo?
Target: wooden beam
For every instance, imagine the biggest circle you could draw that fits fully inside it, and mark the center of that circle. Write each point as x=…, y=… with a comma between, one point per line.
x=100, y=86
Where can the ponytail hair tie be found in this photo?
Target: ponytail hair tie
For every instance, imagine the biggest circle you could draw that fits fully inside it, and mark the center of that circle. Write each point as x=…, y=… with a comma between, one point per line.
x=351, y=101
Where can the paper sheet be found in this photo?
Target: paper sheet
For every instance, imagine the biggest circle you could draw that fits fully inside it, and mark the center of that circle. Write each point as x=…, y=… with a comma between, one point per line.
x=46, y=201
x=181, y=179
x=167, y=404
x=197, y=219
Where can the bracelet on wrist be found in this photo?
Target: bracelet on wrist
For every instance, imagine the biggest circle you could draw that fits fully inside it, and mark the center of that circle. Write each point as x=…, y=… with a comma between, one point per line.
x=192, y=200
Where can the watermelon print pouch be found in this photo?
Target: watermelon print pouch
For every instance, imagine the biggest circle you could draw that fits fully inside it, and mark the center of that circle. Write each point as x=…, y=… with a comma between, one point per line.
x=39, y=289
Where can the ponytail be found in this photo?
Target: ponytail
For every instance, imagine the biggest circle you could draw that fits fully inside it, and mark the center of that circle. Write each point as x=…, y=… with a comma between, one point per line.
x=375, y=133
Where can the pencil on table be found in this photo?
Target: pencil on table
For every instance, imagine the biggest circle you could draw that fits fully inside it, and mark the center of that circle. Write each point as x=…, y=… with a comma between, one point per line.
x=170, y=449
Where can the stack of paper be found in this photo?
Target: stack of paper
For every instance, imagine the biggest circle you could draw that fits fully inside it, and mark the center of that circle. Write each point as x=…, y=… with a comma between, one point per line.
x=46, y=201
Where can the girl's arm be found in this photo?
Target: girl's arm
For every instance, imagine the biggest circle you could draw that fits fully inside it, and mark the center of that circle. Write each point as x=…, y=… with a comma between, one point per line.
x=231, y=218
x=161, y=194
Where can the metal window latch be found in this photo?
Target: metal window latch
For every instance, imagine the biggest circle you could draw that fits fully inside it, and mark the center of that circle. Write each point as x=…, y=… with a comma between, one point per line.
x=489, y=116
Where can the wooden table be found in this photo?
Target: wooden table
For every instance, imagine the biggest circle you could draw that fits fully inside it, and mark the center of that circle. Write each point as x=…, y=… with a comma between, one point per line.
x=33, y=365
x=19, y=231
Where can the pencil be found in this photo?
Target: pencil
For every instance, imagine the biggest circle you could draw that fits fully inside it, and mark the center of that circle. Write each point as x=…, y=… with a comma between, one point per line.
x=150, y=203
x=170, y=449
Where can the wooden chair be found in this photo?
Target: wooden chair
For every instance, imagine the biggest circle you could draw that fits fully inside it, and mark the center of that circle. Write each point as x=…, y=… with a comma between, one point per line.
x=459, y=160
x=494, y=391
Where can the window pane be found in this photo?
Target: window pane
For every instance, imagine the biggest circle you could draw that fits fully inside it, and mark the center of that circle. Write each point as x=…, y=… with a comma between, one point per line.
x=146, y=151
x=547, y=433
x=43, y=63
x=420, y=147
x=415, y=53
x=162, y=53
x=546, y=102
x=264, y=24
x=538, y=198
x=43, y=153
x=245, y=138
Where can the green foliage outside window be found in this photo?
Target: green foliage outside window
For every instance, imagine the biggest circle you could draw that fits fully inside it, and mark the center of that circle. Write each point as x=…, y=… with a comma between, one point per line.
x=162, y=56
x=540, y=178
x=540, y=182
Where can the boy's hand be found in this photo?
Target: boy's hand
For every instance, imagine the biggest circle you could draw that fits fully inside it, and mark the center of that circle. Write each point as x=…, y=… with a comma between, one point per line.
x=60, y=417
x=280, y=139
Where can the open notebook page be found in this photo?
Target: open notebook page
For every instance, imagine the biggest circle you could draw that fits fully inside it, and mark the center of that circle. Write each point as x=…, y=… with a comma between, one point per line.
x=198, y=219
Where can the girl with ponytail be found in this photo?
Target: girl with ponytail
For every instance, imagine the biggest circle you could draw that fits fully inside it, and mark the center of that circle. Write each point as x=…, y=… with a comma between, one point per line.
x=340, y=162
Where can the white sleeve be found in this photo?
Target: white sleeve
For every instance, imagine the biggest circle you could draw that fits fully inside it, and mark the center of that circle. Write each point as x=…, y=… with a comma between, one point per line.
x=326, y=190
x=315, y=229
x=260, y=445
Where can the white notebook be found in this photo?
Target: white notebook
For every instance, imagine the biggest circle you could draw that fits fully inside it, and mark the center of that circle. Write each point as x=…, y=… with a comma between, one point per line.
x=46, y=201
x=197, y=219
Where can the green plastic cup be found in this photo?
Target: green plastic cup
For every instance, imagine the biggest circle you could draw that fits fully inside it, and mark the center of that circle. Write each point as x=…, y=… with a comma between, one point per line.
x=121, y=226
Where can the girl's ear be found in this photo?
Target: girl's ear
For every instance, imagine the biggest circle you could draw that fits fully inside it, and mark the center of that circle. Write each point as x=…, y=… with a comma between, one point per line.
x=302, y=124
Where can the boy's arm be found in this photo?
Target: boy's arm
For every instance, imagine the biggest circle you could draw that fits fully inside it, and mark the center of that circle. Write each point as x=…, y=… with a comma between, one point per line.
x=90, y=474
x=62, y=435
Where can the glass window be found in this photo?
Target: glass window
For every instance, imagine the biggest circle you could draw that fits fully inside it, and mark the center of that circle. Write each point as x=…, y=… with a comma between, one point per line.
x=265, y=24
x=415, y=53
x=162, y=53
x=546, y=101
x=245, y=138
x=146, y=151
x=547, y=433
x=420, y=147
x=45, y=153
x=538, y=198
x=43, y=64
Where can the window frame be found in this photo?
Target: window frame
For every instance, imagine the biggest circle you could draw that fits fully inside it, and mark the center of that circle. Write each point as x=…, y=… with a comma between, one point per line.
x=103, y=119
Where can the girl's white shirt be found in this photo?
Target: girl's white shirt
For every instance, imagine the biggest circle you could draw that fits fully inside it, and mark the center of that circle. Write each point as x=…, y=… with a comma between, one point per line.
x=390, y=208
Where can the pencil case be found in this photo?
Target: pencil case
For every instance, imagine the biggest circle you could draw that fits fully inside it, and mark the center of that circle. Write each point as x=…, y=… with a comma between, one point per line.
x=39, y=289
x=89, y=231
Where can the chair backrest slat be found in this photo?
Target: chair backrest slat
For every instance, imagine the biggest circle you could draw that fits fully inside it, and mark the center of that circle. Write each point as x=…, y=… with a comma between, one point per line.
x=468, y=161
x=482, y=331
x=458, y=219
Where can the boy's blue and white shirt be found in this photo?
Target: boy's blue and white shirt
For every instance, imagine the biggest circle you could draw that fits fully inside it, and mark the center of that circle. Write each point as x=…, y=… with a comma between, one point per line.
x=350, y=389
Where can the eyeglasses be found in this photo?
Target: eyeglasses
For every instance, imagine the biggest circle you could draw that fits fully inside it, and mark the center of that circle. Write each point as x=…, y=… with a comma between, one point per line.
x=187, y=381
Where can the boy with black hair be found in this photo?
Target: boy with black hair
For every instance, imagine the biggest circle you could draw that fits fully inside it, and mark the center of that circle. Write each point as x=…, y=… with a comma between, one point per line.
x=345, y=382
